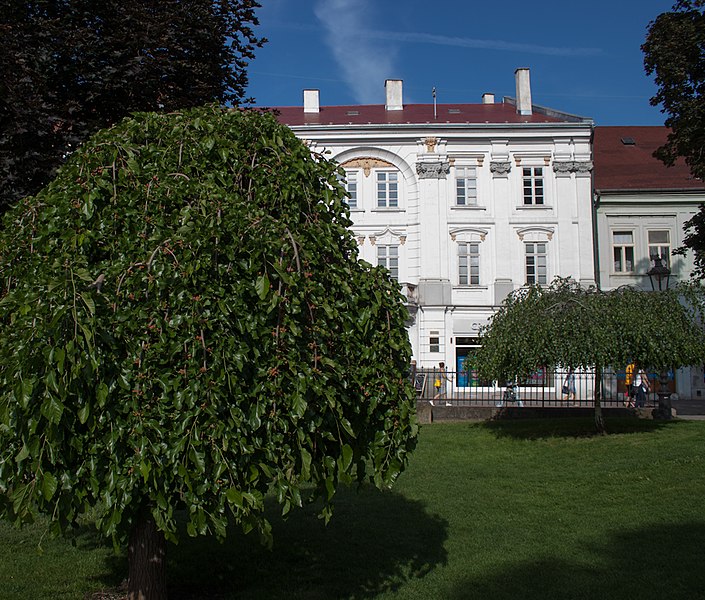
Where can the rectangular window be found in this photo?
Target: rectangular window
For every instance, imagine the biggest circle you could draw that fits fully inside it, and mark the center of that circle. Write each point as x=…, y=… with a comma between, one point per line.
x=660, y=245
x=387, y=189
x=388, y=257
x=434, y=342
x=469, y=263
x=351, y=188
x=623, y=251
x=466, y=186
x=536, y=270
x=533, y=185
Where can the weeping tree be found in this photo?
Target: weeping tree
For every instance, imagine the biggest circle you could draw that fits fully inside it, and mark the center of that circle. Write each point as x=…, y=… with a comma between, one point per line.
x=572, y=326
x=185, y=328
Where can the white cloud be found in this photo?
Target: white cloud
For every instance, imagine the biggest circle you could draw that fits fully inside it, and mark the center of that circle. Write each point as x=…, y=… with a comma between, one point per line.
x=444, y=40
x=365, y=60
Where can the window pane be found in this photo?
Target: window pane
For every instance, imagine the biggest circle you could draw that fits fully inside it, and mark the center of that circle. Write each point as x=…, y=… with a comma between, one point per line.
x=659, y=237
x=351, y=187
x=533, y=185
x=623, y=237
x=465, y=186
x=536, y=263
x=628, y=259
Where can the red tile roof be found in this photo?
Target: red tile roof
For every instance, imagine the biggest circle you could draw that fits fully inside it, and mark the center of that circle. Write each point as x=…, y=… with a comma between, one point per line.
x=619, y=166
x=413, y=114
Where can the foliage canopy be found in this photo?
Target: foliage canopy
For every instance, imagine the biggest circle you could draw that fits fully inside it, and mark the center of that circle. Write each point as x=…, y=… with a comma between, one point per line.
x=674, y=53
x=569, y=325
x=185, y=324
x=71, y=67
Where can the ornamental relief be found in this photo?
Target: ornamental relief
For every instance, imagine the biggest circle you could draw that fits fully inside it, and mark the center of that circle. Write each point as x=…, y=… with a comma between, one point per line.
x=500, y=167
x=367, y=164
x=432, y=170
x=535, y=234
x=564, y=167
x=431, y=143
x=387, y=236
x=468, y=235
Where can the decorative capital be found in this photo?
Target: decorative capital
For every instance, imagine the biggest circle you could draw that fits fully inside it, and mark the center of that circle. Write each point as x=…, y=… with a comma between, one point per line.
x=432, y=170
x=565, y=167
x=583, y=166
x=500, y=168
x=431, y=143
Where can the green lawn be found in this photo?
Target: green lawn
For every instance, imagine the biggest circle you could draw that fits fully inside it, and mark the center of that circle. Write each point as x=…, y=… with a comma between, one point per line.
x=529, y=510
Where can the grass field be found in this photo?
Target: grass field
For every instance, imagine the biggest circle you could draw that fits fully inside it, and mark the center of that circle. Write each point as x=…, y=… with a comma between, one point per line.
x=526, y=509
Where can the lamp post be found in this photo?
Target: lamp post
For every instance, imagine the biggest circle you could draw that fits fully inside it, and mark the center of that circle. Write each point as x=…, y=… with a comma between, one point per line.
x=660, y=276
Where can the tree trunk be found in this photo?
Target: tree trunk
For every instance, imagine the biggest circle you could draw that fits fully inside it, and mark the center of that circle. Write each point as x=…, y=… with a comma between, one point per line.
x=146, y=555
x=599, y=418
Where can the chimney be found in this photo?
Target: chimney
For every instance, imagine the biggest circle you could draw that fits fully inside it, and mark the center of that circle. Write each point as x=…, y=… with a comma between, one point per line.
x=523, y=84
x=311, y=104
x=488, y=98
x=394, y=98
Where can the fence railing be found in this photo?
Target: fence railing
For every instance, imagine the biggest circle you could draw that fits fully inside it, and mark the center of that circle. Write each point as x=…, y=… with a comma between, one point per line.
x=544, y=388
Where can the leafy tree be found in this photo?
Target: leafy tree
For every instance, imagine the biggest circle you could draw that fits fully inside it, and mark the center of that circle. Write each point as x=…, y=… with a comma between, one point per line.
x=185, y=325
x=674, y=53
x=694, y=241
x=566, y=324
x=71, y=67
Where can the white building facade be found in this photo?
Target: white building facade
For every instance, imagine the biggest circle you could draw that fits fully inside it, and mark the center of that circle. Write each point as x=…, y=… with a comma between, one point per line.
x=462, y=203
x=641, y=207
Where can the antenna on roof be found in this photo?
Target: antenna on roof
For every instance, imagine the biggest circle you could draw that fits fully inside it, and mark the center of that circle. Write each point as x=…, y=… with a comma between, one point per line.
x=434, y=102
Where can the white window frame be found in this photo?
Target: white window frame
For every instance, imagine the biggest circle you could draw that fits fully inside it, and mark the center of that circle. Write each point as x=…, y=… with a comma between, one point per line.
x=434, y=342
x=466, y=194
x=624, y=248
x=533, y=181
x=469, y=263
x=351, y=183
x=388, y=257
x=535, y=253
x=386, y=188
x=660, y=249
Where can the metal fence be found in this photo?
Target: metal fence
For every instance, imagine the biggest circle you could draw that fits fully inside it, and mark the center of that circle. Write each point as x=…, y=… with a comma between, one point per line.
x=545, y=388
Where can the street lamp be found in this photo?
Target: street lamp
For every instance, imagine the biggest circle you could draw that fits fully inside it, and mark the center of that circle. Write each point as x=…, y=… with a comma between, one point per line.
x=659, y=274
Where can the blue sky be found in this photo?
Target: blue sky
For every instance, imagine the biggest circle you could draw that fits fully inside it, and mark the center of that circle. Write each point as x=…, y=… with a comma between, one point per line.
x=584, y=57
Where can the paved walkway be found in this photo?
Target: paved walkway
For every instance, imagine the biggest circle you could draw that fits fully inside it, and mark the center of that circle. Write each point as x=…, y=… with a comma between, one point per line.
x=690, y=408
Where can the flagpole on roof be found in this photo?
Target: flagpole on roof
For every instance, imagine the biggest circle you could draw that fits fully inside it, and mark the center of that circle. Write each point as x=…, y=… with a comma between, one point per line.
x=434, y=103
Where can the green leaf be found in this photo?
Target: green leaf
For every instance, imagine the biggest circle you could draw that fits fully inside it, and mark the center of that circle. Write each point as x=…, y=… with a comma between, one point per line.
x=262, y=286
x=22, y=454
x=22, y=499
x=347, y=456
x=88, y=301
x=234, y=497
x=305, y=464
x=145, y=469
x=101, y=394
x=49, y=485
x=83, y=413
x=52, y=409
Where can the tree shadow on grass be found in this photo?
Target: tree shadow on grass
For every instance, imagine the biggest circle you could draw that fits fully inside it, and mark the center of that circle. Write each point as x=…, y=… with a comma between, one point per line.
x=642, y=564
x=375, y=542
x=535, y=429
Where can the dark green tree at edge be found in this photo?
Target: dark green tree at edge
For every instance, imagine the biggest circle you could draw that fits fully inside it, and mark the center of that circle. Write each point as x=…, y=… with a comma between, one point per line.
x=674, y=54
x=185, y=326
x=71, y=67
